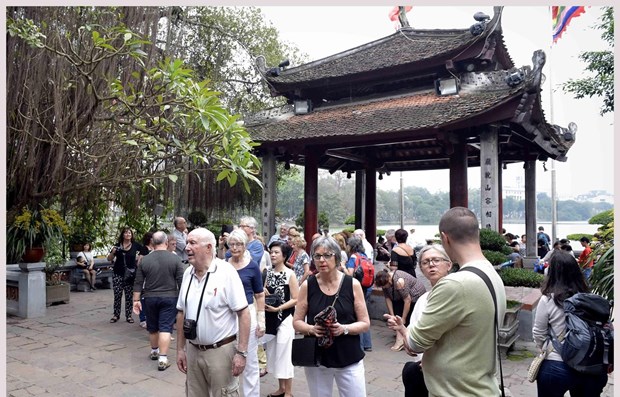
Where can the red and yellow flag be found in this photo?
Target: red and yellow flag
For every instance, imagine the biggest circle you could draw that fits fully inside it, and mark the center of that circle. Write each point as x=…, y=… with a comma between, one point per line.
x=562, y=16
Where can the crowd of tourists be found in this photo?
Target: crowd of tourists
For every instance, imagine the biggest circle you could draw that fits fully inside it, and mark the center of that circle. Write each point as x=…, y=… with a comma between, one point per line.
x=243, y=309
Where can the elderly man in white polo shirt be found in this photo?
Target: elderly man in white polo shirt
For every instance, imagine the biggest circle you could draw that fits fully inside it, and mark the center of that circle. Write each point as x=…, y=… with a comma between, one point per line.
x=213, y=296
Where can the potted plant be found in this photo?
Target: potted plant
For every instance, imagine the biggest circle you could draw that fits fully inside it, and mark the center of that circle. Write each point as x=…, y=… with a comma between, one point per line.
x=57, y=289
x=31, y=230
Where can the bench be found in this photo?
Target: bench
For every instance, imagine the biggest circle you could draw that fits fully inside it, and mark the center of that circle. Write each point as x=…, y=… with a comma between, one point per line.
x=103, y=281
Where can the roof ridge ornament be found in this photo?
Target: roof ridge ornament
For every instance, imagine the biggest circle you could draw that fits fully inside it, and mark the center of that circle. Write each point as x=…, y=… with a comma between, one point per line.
x=478, y=28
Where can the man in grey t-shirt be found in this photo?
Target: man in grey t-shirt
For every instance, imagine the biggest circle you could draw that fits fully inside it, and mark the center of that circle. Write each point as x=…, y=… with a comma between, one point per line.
x=159, y=276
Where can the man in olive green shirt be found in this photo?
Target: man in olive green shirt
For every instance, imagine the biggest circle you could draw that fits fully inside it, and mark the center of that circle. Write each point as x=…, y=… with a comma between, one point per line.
x=456, y=331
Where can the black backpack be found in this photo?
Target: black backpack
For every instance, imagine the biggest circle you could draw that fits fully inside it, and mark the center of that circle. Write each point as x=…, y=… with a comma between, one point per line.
x=588, y=342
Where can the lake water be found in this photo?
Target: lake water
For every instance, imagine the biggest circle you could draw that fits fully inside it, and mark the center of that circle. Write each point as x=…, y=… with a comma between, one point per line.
x=563, y=229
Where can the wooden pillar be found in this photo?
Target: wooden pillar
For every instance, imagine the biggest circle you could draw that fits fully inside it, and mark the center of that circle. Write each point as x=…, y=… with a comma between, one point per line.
x=311, y=198
x=370, y=226
x=531, y=251
x=458, y=176
x=268, y=212
x=489, y=188
x=360, y=199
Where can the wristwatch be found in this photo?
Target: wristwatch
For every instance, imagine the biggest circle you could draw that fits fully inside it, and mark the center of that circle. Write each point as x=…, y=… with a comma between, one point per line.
x=242, y=354
x=346, y=330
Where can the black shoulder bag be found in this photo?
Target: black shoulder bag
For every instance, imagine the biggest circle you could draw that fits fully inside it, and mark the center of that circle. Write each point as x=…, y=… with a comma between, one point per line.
x=486, y=280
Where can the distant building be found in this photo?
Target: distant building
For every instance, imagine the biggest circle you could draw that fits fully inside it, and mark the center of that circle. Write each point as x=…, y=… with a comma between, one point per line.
x=596, y=196
x=517, y=193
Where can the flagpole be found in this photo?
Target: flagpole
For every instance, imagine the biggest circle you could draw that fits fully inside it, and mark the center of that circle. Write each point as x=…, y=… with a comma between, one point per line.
x=554, y=207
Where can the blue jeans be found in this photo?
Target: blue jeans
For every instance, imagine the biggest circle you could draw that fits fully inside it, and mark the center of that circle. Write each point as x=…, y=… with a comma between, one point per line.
x=556, y=378
x=365, y=339
x=587, y=272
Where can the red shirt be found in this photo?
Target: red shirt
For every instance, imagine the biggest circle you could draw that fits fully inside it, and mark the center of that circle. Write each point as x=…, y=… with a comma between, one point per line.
x=584, y=257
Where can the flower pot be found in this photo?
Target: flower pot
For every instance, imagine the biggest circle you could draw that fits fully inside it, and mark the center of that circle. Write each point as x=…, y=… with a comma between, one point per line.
x=33, y=254
x=57, y=293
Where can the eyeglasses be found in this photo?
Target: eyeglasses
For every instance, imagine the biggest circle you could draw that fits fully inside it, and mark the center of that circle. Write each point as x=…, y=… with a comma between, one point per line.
x=235, y=245
x=328, y=256
x=436, y=261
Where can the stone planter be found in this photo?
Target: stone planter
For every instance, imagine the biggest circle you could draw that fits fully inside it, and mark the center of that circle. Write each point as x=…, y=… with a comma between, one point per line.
x=508, y=330
x=57, y=293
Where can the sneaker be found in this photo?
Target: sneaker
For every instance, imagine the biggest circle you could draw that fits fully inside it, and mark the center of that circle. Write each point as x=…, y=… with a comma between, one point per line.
x=163, y=365
x=368, y=349
x=154, y=356
x=98, y=272
x=143, y=324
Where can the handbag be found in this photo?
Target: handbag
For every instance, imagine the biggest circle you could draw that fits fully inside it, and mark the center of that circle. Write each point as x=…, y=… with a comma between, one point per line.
x=532, y=371
x=130, y=275
x=273, y=300
x=305, y=352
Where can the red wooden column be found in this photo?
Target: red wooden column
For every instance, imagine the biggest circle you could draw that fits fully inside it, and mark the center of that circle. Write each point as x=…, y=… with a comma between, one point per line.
x=458, y=176
x=311, y=197
x=370, y=227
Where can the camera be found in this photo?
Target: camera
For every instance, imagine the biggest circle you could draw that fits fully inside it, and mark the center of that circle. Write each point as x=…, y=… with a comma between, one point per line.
x=189, y=328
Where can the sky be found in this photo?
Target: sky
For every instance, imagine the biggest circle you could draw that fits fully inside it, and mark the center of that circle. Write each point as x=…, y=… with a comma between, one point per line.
x=321, y=31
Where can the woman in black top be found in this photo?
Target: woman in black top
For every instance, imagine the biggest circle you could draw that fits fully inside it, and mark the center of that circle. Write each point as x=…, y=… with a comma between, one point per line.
x=402, y=256
x=125, y=255
x=341, y=356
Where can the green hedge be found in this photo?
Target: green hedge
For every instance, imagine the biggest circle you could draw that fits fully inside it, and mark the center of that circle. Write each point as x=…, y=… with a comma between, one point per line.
x=495, y=257
x=515, y=277
x=578, y=236
x=491, y=240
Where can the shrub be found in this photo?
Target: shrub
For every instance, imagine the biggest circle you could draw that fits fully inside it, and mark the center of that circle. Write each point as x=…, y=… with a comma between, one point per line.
x=350, y=220
x=603, y=218
x=515, y=277
x=493, y=241
x=495, y=257
x=197, y=218
x=578, y=236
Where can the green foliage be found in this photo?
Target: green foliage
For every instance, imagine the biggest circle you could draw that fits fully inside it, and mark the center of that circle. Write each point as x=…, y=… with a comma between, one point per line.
x=215, y=226
x=350, y=220
x=495, y=257
x=492, y=240
x=197, y=219
x=602, y=218
x=33, y=228
x=602, y=277
x=516, y=277
x=578, y=236
x=53, y=259
x=323, y=220
x=600, y=64
x=511, y=304
x=110, y=91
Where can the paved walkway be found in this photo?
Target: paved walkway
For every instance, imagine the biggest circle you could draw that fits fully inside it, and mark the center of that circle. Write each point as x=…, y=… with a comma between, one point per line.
x=75, y=351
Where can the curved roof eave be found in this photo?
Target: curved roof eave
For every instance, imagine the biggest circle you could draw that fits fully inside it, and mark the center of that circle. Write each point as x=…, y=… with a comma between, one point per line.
x=405, y=47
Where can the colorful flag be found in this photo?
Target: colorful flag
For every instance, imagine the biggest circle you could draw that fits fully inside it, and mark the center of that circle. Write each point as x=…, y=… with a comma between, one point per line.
x=562, y=16
x=394, y=13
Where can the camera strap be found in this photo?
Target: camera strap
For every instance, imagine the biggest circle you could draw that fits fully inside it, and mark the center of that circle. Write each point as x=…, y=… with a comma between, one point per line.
x=201, y=295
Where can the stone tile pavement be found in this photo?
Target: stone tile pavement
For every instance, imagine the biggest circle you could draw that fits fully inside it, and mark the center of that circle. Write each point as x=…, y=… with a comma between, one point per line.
x=75, y=351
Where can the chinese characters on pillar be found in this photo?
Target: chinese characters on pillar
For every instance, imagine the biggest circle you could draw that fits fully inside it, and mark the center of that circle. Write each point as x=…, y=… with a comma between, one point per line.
x=488, y=184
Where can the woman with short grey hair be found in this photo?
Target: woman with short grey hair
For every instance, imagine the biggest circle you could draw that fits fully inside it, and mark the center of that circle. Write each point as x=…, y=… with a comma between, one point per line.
x=338, y=333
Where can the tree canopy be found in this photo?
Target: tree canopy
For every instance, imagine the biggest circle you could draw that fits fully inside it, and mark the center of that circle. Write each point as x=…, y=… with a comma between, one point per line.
x=118, y=103
x=601, y=65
